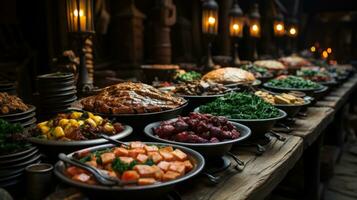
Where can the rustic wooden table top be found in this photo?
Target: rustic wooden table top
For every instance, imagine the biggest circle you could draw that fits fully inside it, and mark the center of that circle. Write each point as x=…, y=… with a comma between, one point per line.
x=310, y=127
x=338, y=97
x=259, y=177
x=263, y=173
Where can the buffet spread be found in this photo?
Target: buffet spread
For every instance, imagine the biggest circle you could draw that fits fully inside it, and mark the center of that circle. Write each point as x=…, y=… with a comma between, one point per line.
x=180, y=128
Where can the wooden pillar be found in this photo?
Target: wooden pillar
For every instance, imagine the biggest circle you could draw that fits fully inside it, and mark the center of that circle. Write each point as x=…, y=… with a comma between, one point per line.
x=196, y=29
x=223, y=33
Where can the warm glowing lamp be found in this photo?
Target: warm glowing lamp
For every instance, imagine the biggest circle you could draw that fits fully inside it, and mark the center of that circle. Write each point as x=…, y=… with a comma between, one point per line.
x=236, y=23
x=313, y=49
x=324, y=54
x=210, y=17
x=254, y=22
x=209, y=27
x=329, y=50
x=279, y=26
x=79, y=14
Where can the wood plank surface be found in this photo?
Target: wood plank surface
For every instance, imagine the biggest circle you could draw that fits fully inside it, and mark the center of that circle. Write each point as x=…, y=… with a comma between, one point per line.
x=338, y=97
x=259, y=177
x=310, y=127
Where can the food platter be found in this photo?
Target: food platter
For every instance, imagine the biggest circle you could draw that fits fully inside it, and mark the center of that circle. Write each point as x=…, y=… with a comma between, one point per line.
x=19, y=114
x=206, y=149
x=155, y=190
x=53, y=147
x=292, y=110
x=258, y=127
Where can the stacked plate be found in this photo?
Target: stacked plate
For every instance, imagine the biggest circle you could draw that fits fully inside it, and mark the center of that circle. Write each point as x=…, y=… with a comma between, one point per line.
x=57, y=91
x=12, y=165
x=7, y=87
x=26, y=119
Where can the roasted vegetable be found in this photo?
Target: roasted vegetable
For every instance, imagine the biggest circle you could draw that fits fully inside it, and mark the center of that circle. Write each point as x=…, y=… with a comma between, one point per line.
x=136, y=162
x=76, y=125
x=240, y=106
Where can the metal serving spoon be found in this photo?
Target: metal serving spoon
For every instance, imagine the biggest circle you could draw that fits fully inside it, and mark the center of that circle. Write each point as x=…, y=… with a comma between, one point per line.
x=115, y=142
x=99, y=175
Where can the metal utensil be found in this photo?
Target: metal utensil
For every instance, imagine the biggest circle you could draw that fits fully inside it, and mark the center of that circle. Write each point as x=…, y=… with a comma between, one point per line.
x=240, y=164
x=100, y=176
x=113, y=141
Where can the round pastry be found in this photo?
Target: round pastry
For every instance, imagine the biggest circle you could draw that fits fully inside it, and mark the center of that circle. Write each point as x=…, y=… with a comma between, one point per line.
x=270, y=64
x=229, y=75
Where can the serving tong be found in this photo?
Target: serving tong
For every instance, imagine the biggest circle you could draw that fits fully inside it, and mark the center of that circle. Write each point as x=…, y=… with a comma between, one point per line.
x=102, y=177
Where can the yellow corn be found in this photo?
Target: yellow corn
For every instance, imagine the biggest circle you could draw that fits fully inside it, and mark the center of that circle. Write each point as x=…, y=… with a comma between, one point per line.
x=58, y=132
x=76, y=115
x=91, y=122
x=63, y=122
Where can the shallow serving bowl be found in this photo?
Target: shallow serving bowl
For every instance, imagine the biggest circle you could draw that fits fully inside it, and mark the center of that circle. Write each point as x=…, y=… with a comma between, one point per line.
x=206, y=149
x=307, y=91
x=140, y=120
x=53, y=147
x=132, y=192
x=292, y=110
x=258, y=127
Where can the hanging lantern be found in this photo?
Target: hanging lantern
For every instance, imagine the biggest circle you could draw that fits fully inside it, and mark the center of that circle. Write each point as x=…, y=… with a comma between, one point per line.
x=254, y=22
x=210, y=17
x=279, y=27
x=79, y=16
x=293, y=28
x=236, y=21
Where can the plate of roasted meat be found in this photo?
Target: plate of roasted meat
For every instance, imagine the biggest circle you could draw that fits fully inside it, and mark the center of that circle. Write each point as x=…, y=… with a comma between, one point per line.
x=136, y=104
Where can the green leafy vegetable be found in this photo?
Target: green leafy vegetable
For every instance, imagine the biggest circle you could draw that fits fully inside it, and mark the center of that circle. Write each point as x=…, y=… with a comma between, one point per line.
x=241, y=106
x=189, y=76
x=149, y=162
x=294, y=82
x=121, y=167
x=8, y=142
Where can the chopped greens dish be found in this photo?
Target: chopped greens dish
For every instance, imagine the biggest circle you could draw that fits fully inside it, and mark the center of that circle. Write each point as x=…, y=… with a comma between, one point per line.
x=189, y=76
x=293, y=82
x=11, y=138
x=256, y=70
x=241, y=106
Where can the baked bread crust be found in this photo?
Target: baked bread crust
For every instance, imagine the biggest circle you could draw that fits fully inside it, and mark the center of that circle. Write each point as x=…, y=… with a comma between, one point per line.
x=270, y=64
x=229, y=75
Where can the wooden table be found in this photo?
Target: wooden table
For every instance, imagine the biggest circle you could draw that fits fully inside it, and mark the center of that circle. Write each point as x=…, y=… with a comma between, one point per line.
x=309, y=128
x=339, y=96
x=260, y=176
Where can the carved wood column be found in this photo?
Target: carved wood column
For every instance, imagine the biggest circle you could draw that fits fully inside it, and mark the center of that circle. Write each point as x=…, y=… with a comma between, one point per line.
x=224, y=39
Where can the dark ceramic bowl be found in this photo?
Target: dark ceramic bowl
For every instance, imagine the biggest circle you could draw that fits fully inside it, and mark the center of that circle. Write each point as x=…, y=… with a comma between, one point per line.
x=195, y=101
x=15, y=116
x=292, y=110
x=208, y=150
x=140, y=120
x=319, y=94
x=307, y=91
x=132, y=192
x=258, y=127
x=52, y=148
